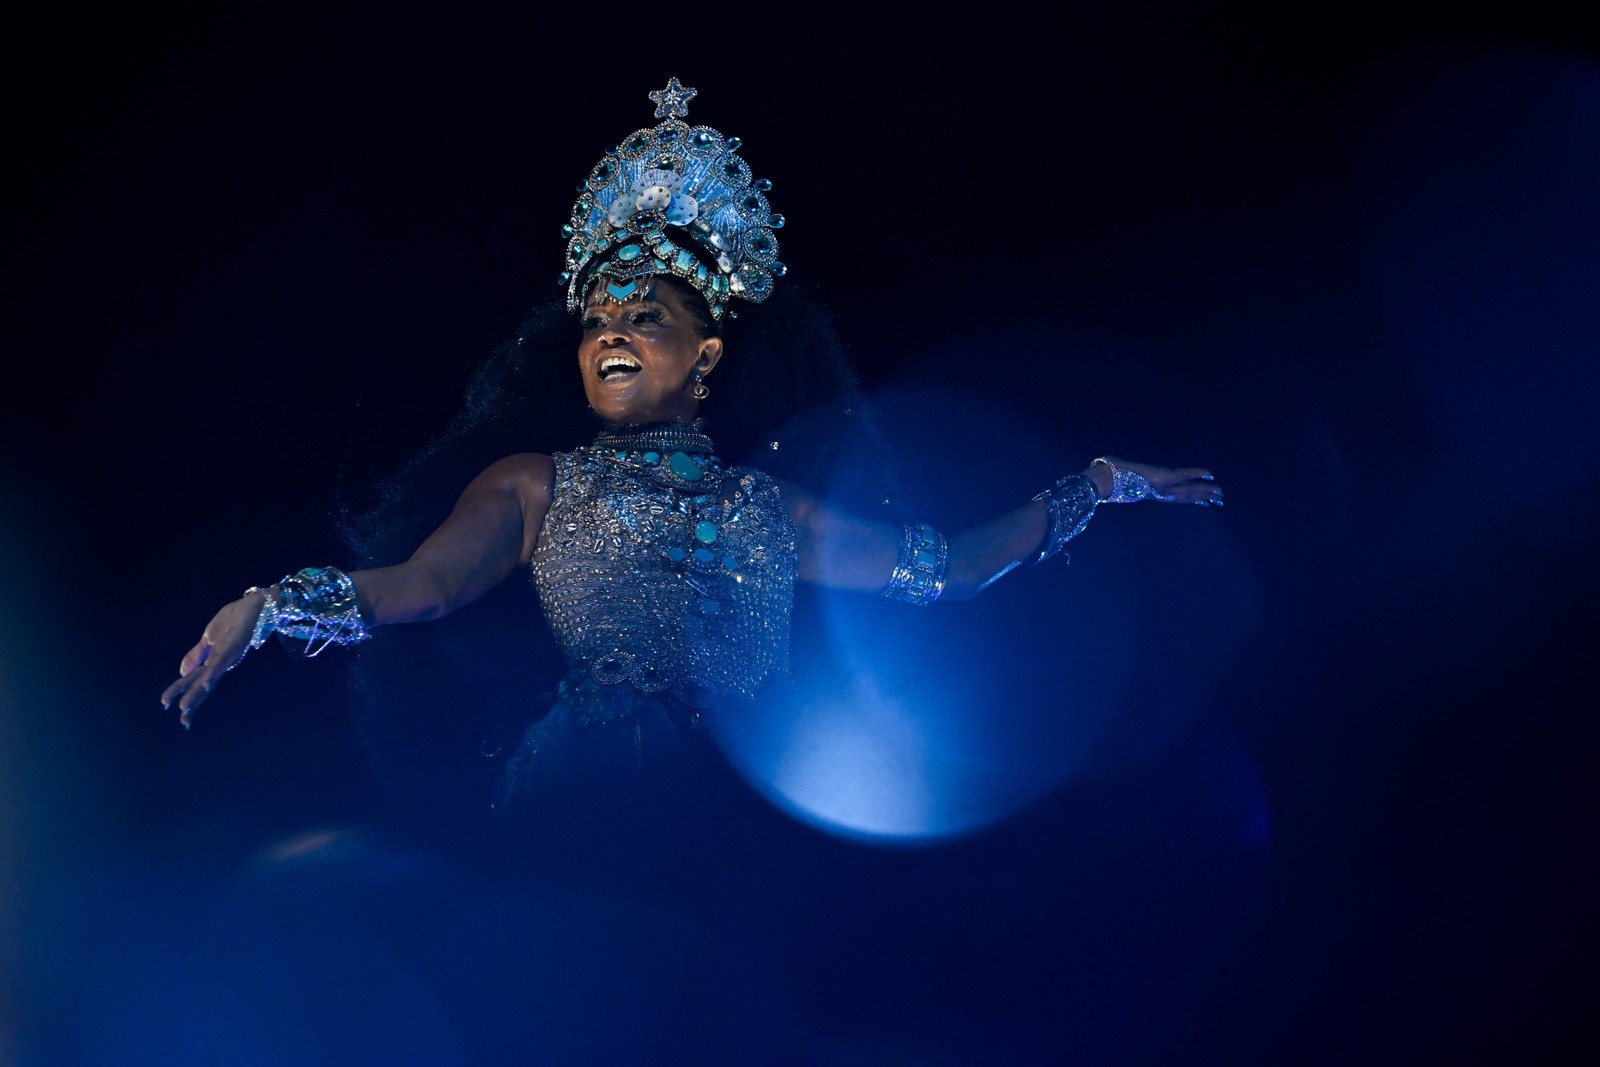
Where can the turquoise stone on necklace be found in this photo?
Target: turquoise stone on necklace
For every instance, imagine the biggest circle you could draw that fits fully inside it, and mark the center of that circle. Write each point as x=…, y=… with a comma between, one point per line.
x=705, y=532
x=684, y=467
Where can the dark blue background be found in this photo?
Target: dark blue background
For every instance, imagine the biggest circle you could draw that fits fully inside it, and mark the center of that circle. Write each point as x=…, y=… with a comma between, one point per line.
x=1347, y=260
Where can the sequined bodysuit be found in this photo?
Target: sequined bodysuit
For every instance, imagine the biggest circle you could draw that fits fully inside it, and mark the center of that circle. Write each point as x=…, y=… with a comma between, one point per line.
x=662, y=568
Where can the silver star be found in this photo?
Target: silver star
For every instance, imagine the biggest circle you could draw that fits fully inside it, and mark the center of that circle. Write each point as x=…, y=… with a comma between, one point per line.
x=673, y=101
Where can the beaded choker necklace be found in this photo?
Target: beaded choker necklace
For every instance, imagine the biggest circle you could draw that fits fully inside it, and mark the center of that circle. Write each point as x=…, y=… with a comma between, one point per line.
x=655, y=437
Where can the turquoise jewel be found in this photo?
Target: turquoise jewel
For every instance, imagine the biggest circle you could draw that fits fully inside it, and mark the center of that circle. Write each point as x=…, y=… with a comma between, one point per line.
x=684, y=260
x=676, y=554
x=629, y=253
x=620, y=293
x=652, y=457
x=622, y=455
x=684, y=467
x=704, y=555
x=567, y=230
x=705, y=533
x=776, y=221
x=925, y=558
x=733, y=143
x=729, y=563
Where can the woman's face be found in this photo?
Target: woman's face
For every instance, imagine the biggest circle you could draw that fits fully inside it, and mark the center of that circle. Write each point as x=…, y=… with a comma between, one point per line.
x=638, y=357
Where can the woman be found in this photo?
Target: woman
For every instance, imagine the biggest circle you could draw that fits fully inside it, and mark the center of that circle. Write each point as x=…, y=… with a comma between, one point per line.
x=666, y=575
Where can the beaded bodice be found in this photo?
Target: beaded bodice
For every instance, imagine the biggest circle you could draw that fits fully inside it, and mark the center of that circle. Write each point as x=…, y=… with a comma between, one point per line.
x=662, y=567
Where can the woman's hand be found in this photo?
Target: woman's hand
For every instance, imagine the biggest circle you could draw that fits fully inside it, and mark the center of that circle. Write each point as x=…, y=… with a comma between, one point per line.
x=223, y=644
x=1170, y=485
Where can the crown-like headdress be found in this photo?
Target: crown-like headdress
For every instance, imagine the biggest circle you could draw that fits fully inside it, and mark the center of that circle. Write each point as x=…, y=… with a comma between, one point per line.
x=682, y=176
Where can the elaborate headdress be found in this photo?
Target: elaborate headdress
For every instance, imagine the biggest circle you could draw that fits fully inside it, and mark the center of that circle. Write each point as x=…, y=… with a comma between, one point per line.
x=681, y=176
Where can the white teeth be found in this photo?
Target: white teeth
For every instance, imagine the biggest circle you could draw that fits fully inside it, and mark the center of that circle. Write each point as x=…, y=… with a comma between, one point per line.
x=616, y=363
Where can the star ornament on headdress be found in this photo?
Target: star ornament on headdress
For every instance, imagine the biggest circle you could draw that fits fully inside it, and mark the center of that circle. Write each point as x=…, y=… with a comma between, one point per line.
x=673, y=101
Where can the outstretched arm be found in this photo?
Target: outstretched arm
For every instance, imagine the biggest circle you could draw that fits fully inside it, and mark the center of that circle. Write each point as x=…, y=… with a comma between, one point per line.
x=494, y=526
x=844, y=551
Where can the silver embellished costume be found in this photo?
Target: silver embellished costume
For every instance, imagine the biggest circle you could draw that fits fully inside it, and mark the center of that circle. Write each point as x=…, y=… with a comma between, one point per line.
x=668, y=581
x=666, y=569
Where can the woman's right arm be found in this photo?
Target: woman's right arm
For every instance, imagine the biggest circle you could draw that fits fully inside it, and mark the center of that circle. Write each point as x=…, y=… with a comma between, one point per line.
x=493, y=528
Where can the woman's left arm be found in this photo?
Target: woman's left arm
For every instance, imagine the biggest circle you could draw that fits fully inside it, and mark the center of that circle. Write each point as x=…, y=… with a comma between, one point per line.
x=844, y=551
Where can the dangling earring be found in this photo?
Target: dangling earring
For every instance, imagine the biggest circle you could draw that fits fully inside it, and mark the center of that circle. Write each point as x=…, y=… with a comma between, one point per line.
x=699, y=392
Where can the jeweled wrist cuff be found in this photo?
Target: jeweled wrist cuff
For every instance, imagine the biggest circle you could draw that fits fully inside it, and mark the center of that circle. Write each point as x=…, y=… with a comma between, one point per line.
x=319, y=606
x=919, y=572
x=1070, y=503
x=1128, y=487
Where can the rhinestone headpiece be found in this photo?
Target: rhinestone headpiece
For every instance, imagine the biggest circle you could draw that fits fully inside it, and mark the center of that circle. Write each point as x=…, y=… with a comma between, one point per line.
x=688, y=178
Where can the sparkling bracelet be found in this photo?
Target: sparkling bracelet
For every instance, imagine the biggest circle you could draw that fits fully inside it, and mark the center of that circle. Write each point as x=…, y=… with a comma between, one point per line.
x=919, y=572
x=1070, y=504
x=319, y=606
x=267, y=620
x=1128, y=487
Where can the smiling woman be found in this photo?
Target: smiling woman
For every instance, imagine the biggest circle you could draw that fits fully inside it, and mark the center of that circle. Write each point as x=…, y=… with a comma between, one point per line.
x=646, y=361
x=666, y=575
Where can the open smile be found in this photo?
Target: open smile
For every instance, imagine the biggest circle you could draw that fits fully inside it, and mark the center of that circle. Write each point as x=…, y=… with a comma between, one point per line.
x=619, y=367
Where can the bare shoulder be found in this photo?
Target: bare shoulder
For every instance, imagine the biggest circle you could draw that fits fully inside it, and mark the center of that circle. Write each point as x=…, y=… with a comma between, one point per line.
x=526, y=482
x=799, y=502
x=528, y=475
